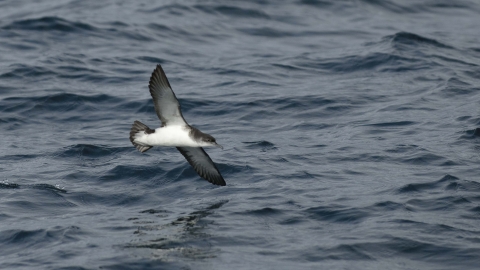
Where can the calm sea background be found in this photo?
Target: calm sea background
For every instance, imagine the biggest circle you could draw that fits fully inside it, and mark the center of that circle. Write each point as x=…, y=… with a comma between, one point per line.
x=349, y=127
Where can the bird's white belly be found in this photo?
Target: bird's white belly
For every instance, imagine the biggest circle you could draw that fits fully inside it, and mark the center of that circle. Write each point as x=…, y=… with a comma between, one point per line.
x=170, y=136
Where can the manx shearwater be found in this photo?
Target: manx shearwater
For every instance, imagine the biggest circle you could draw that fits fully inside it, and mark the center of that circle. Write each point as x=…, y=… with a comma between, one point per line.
x=175, y=131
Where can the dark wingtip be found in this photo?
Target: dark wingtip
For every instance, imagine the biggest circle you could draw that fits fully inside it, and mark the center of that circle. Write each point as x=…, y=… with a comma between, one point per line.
x=213, y=179
x=158, y=77
x=212, y=175
x=216, y=180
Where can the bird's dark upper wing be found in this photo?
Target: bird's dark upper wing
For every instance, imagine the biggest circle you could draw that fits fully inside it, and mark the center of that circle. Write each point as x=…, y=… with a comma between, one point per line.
x=202, y=164
x=166, y=103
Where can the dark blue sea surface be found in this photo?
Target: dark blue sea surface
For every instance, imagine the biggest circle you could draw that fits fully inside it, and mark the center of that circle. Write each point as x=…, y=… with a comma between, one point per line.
x=351, y=134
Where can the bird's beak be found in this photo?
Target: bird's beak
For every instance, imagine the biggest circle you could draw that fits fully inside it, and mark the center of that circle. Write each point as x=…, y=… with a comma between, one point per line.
x=218, y=145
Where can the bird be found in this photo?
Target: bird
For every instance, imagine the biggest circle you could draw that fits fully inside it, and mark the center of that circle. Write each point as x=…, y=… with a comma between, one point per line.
x=175, y=131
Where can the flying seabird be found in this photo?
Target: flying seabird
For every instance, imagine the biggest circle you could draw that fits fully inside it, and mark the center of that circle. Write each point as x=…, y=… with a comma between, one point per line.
x=175, y=131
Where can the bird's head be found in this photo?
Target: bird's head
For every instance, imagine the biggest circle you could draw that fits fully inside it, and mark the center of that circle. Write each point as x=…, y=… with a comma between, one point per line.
x=209, y=140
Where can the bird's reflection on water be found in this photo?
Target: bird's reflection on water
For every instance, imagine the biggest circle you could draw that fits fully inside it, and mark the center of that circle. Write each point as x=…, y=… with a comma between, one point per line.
x=185, y=236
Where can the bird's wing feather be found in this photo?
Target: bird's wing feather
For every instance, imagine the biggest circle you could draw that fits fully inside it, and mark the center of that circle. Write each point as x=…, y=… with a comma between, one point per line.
x=202, y=164
x=166, y=103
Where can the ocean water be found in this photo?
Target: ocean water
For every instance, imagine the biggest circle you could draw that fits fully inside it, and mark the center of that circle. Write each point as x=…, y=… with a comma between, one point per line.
x=351, y=134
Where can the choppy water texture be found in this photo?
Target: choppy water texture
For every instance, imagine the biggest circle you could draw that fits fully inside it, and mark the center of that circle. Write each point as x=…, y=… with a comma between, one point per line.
x=350, y=134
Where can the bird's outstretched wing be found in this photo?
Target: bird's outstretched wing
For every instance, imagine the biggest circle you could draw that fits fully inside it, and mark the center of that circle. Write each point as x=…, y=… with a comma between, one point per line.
x=166, y=103
x=202, y=164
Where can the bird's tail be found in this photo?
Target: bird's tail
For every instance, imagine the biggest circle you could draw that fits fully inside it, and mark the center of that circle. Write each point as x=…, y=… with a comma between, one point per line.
x=140, y=129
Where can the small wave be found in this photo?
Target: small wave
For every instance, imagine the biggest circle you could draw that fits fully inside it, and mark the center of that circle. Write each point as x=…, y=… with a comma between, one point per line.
x=427, y=159
x=264, y=146
x=46, y=187
x=232, y=11
x=444, y=203
x=263, y=212
x=317, y=3
x=393, y=124
x=58, y=104
x=402, y=58
x=154, y=211
x=401, y=39
x=8, y=185
x=340, y=252
x=89, y=151
x=470, y=133
x=337, y=213
x=49, y=24
x=403, y=247
x=476, y=132
x=58, y=68
x=422, y=187
x=386, y=206
x=383, y=62
x=271, y=32
x=18, y=157
x=307, y=107
x=172, y=9
x=18, y=239
x=432, y=7
x=151, y=59
x=133, y=172
x=455, y=87
x=23, y=71
x=475, y=210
